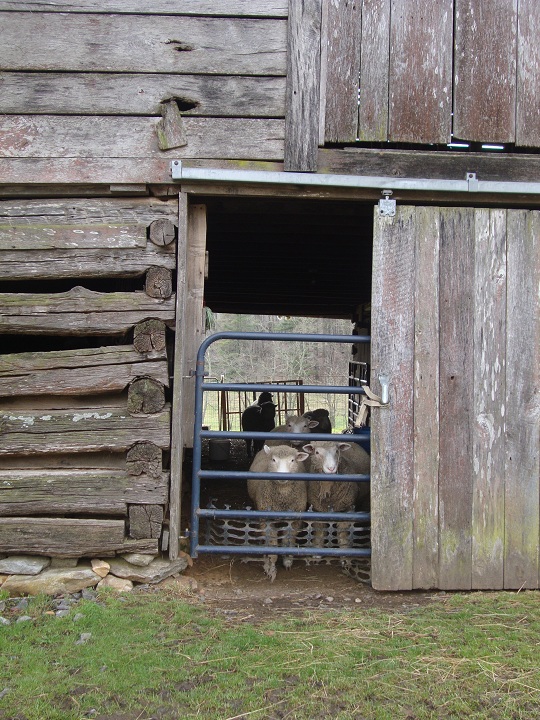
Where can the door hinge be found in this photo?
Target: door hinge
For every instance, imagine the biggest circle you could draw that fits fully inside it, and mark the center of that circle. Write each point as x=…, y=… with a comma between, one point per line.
x=387, y=206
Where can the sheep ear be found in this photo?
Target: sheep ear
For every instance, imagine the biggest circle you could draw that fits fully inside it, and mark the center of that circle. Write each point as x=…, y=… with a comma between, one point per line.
x=313, y=423
x=302, y=456
x=344, y=446
x=266, y=449
x=309, y=448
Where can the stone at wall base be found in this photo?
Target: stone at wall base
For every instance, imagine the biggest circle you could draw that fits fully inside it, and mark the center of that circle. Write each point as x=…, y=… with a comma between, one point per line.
x=51, y=582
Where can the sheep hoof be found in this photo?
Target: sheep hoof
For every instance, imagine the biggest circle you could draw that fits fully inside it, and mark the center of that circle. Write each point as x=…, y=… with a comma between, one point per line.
x=269, y=566
x=287, y=561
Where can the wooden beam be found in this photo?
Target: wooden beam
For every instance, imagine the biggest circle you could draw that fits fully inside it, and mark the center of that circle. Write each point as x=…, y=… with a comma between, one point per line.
x=89, y=371
x=528, y=75
x=178, y=436
x=80, y=312
x=303, y=85
x=148, y=44
x=87, y=492
x=91, y=429
x=374, y=69
x=250, y=8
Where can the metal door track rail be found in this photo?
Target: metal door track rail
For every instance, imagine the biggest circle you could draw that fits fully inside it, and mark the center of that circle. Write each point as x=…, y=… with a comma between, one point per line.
x=197, y=513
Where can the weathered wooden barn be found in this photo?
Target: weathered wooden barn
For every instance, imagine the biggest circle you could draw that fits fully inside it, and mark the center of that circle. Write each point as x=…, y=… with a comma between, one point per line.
x=144, y=146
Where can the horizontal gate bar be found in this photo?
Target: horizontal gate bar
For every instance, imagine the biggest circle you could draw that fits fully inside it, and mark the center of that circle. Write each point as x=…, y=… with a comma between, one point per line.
x=281, y=550
x=333, y=389
x=285, y=515
x=315, y=477
x=300, y=437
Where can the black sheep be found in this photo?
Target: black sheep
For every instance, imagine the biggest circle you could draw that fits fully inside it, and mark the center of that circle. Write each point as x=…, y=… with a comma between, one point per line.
x=323, y=418
x=258, y=418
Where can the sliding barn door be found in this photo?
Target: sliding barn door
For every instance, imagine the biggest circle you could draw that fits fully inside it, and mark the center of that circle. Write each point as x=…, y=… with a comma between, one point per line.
x=455, y=456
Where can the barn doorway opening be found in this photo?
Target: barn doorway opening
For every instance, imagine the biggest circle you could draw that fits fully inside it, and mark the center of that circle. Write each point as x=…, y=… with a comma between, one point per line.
x=281, y=265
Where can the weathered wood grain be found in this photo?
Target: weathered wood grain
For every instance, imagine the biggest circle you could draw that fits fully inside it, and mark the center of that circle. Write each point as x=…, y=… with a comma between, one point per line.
x=162, y=232
x=49, y=264
x=252, y=8
x=485, y=70
x=149, y=336
x=158, y=282
x=170, y=129
x=88, y=371
x=145, y=395
x=180, y=389
x=80, y=312
x=145, y=521
x=528, y=75
x=60, y=536
x=46, y=136
x=144, y=458
x=303, y=86
x=123, y=214
x=456, y=397
x=26, y=236
x=340, y=69
x=86, y=492
x=392, y=349
x=90, y=429
x=426, y=400
x=23, y=93
x=374, y=70
x=522, y=405
x=489, y=379
x=137, y=43
x=421, y=71
x=426, y=164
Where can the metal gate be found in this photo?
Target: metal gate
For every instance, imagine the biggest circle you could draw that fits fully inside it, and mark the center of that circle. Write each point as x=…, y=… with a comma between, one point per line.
x=261, y=546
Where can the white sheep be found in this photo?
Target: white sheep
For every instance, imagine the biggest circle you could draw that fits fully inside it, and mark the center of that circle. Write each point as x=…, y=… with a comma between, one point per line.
x=329, y=458
x=279, y=494
x=293, y=424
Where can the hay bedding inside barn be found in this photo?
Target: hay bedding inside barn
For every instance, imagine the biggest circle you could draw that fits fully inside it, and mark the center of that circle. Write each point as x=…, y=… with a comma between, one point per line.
x=306, y=571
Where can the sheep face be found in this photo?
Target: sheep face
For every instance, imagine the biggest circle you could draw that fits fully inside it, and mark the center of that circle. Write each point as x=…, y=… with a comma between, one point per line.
x=299, y=424
x=325, y=455
x=284, y=461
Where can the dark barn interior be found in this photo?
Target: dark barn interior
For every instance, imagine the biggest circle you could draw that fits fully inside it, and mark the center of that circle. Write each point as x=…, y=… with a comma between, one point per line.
x=307, y=258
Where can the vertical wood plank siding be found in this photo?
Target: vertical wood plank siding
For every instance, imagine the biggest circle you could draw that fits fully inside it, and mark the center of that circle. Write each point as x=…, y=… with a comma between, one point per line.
x=374, y=66
x=426, y=400
x=392, y=429
x=341, y=41
x=488, y=448
x=485, y=70
x=522, y=406
x=420, y=71
x=528, y=75
x=303, y=85
x=470, y=516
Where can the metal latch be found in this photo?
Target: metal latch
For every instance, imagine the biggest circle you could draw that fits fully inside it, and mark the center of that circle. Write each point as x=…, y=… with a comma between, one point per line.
x=387, y=207
x=472, y=182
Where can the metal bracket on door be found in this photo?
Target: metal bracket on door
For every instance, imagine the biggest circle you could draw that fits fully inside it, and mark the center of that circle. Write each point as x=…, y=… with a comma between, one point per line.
x=387, y=206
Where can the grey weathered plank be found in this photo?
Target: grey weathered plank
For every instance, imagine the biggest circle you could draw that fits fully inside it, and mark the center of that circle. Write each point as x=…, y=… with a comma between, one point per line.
x=140, y=94
x=251, y=8
x=88, y=371
x=522, y=492
x=392, y=350
x=80, y=312
x=426, y=400
x=124, y=214
x=179, y=390
x=374, y=69
x=303, y=85
x=340, y=68
x=136, y=43
x=60, y=536
x=528, y=75
x=48, y=264
x=489, y=371
x=426, y=164
x=103, y=492
x=93, y=429
x=456, y=397
x=46, y=237
x=420, y=83
x=46, y=136
x=485, y=70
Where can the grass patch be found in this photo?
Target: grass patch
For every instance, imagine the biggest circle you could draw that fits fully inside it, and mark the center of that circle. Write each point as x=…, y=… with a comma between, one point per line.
x=156, y=656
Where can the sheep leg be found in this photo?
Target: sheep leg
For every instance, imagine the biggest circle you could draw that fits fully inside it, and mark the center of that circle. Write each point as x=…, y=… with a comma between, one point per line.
x=270, y=533
x=343, y=533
